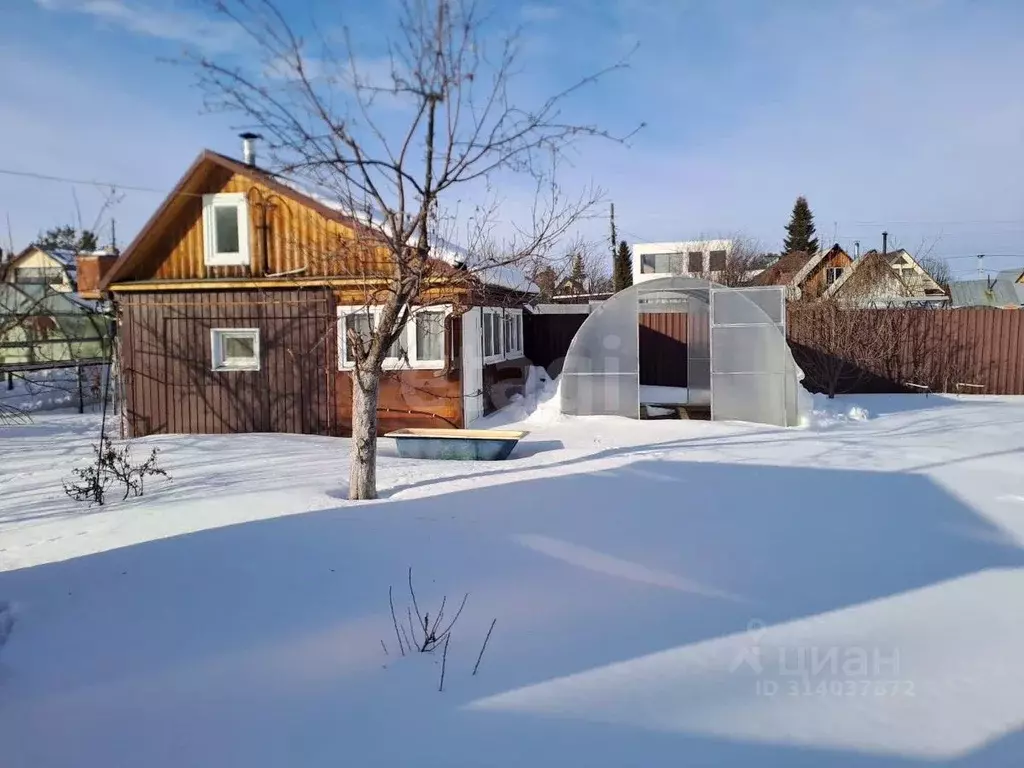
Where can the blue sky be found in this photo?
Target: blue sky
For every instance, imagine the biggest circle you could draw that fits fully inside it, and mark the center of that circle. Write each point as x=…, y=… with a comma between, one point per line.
x=902, y=115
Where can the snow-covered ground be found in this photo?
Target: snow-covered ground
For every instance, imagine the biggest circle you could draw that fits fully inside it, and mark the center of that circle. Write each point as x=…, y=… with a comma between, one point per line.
x=51, y=388
x=666, y=593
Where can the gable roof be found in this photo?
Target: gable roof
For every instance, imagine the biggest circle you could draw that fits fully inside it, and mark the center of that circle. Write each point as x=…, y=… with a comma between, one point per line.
x=64, y=257
x=871, y=258
x=783, y=271
x=794, y=267
x=192, y=184
x=924, y=280
x=1015, y=275
x=985, y=293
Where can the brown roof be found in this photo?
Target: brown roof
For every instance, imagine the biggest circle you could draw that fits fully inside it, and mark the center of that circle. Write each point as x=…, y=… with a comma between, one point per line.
x=784, y=270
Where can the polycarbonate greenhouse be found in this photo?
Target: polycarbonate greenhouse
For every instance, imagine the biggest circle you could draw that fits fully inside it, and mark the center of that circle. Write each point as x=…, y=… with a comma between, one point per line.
x=39, y=325
x=738, y=363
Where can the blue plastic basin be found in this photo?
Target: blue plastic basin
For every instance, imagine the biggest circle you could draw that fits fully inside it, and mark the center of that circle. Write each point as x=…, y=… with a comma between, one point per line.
x=456, y=444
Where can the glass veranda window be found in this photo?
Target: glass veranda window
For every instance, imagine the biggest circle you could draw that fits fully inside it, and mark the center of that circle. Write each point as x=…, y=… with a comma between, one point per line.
x=429, y=335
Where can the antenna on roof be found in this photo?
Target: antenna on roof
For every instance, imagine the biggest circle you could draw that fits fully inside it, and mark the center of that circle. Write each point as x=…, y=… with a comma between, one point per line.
x=249, y=147
x=113, y=233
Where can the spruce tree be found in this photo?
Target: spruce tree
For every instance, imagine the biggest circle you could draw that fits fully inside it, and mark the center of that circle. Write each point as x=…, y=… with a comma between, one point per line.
x=622, y=268
x=578, y=277
x=800, y=230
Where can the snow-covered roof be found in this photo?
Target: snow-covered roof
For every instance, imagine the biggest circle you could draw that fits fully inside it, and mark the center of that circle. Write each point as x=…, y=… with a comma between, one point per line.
x=499, y=276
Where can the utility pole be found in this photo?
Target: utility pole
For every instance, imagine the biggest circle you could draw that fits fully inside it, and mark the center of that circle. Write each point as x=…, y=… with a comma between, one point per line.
x=615, y=236
x=981, y=266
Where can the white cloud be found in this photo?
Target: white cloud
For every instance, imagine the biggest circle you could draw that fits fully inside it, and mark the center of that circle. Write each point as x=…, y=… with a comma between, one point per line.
x=166, y=23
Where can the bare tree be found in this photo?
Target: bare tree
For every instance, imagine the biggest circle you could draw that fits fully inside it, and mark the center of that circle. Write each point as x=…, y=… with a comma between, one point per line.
x=396, y=147
x=840, y=347
x=739, y=263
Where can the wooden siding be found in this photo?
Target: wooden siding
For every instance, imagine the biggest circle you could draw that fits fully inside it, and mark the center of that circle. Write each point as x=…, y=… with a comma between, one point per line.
x=815, y=283
x=663, y=349
x=166, y=363
x=408, y=398
x=296, y=236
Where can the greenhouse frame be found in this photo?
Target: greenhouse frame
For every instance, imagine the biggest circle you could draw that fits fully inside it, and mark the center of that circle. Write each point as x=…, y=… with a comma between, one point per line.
x=41, y=325
x=738, y=363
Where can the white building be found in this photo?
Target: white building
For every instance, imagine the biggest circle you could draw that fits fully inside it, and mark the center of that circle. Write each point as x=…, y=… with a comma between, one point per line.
x=692, y=258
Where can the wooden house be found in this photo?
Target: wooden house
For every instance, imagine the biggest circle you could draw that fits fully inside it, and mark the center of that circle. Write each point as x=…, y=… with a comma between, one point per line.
x=231, y=318
x=52, y=267
x=805, y=275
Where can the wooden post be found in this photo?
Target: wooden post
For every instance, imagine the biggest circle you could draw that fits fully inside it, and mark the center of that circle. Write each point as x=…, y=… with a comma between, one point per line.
x=10, y=380
x=81, y=398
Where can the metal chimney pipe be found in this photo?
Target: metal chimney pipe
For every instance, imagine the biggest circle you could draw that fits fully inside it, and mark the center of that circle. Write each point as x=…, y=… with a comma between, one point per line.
x=856, y=249
x=885, y=243
x=249, y=147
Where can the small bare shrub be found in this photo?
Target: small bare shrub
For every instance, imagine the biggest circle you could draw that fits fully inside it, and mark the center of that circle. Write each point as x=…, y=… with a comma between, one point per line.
x=113, y=465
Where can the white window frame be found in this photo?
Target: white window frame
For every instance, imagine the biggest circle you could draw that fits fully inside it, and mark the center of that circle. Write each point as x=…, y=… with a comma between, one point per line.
x=223, y=200
x=834, y=273
x=499, y=325
x=445, y=311
x=514, y=318
x=409, y=334
x=217, y=360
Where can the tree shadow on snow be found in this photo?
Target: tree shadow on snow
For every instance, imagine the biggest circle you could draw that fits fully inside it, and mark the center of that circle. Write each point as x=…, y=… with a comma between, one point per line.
x=245, y=639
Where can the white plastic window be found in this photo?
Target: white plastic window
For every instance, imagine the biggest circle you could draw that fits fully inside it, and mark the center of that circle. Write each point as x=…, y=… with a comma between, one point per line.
x=513, y=333
x=235, y=349
x=494, y=335
x=420, y=344
x=225, y=229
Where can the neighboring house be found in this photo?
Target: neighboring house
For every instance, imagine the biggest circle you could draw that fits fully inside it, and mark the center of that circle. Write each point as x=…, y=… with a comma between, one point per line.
x=690, y=258
x=236, y=299
x=875, y=279
x=914, y=276
x=54, y=267
x=1005, y=291
x=882, y=280
x=806, y=276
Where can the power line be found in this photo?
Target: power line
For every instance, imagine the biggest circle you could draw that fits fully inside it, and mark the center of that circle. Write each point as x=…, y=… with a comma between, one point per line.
x=47, y=177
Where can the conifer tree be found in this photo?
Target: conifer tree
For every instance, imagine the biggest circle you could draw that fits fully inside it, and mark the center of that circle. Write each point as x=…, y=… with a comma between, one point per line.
x=622, y=267
x=800, y=230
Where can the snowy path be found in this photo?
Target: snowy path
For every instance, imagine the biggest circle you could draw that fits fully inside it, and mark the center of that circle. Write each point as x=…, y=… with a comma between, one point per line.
x=637, y=571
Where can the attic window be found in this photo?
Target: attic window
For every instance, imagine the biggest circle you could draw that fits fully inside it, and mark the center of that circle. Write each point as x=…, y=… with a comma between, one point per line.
x=225, y=230
x=832, y=274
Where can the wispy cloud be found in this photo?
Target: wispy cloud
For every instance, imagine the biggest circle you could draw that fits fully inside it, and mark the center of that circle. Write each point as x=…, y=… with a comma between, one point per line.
x=172, y=24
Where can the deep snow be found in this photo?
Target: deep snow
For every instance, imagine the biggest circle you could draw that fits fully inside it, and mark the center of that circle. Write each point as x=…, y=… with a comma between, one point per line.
x=666, y=593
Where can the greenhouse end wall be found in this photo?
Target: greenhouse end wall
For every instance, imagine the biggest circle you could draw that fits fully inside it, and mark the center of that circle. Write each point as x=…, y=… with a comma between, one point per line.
x=738, y=362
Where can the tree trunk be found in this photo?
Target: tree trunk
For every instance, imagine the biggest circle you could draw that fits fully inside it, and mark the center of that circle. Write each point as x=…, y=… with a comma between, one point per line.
x=362, y=482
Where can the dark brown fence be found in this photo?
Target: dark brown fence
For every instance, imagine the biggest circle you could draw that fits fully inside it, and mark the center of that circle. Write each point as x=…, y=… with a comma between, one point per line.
x=546, y=338
x=884, y=350
x=901, y=350
x=663, y=349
